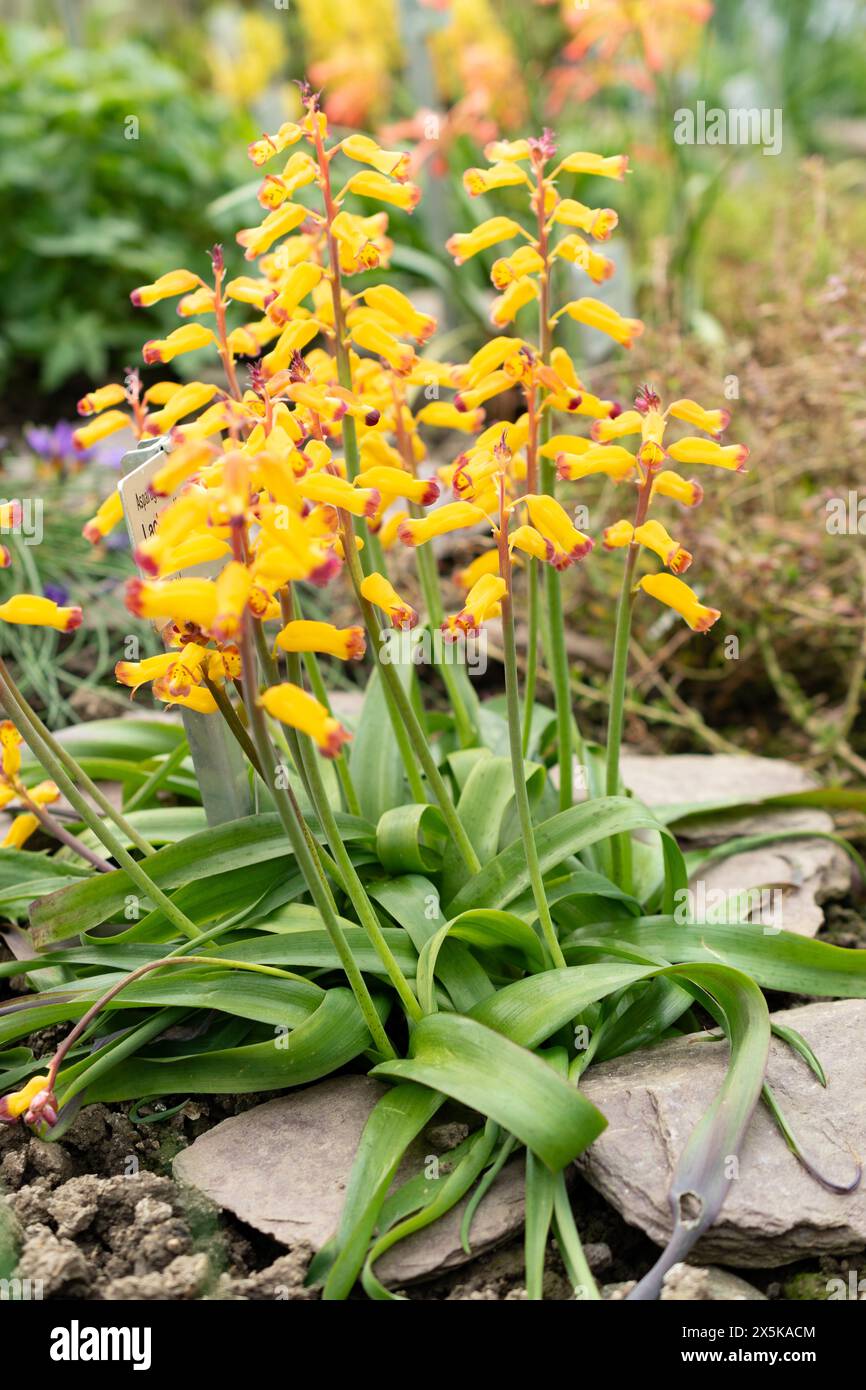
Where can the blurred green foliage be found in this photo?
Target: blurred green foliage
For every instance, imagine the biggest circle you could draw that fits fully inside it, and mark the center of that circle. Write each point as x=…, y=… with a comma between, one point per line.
x=108, y=160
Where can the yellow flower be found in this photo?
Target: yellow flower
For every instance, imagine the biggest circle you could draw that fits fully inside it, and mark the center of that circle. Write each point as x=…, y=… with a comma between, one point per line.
x=524, y=261
x=108, y=515
x=670, y=484
x=278, y=223
x=507, y=306
x=503, y=175
x=463, y=245
x=293, y=706
x=232, y=591
x=304, y=635
x=396, y=482
x=582, y=162
x=166, y=287
x=32, y=610
x=531, y=542
x=189, y=338
x=20, y=830
x=337, y=492
x=138, y=673
x=454, y=516
x=369, y=334
x=606, y=319
x=485, y=563
x=598, y=222
x=712, y=421
x=182, y=600
x=183, y=402
x=654, y=536
x=108, y=423
x=449, y=417
x=13, y=1106
x=677, y=595
x=96, y=401
x=365, y=151
x=378, y=590
x=697, y=450
x=390, y=303
x=370, y=184
x=620, y=534
x=482, y=602
x=555, y=525
x=610, y=459
x=197, y=698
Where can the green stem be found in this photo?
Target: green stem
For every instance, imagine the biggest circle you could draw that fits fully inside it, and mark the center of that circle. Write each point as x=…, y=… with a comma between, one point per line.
x=59, y=832
x=57, y=771
x=355, y=889
x=311, y=869
x=403, y=717
x=290, y=606
x=534, y=619
x=159, y=776
x=521, y=796
x=426, y=565
x=66, y=759
x=229, y=714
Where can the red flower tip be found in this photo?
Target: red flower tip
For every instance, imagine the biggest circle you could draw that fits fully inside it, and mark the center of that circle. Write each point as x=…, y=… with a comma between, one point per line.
x=374, y=502
x=372, y=418
x=135, y=298
x=132, y=596
x=150, y=352
x=615, y=410
x=431, y=493
x=74, y=619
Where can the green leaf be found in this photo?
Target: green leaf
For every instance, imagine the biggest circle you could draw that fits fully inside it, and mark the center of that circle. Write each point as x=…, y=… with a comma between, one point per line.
x=491, y=1074
x=506, y=876
x=485, y=929
x=411, y=839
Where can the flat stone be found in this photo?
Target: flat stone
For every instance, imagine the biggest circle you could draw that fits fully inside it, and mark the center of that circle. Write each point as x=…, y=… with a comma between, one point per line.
x=775, y=1212
x=282, y=1167
x=800, y=874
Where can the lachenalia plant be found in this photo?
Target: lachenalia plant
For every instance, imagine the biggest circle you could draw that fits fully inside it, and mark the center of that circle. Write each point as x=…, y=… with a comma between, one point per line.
x=419, y=897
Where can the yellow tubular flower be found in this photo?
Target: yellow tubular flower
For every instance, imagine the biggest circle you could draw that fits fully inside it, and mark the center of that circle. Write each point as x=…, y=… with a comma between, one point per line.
x=482, y=602
x=337, y=492
x=524, y=261
x=182, y=600
x=201, y=301
x=232, y=591
x=12, y=1107
x=107, y=517
x=182, y=464
x=598, y=222
x=454, y=516
x=20, y=830
x=669, y=484
x=507, y=306
x=620, y=534
x=508, y=149
x=367, y=333
x=138, y=673
x=683, y=600
x=553, y=522
x=376, y=589
x=370, y=184
x=582, y=162
x=45, y=793
x=396, y=482
x=197, y=698
x=260, y=151
x=485, y=563
x=628, y=422
x=388, y=532
x=463, y=245
x=595, y=314
x=300, y=282
x=293, y=706
x=503, y=175
x=713, y=421
x=492, y=385
x=365, y=151
x=697, y=450
x=108, y=423
x=10, y=749
x=609, y=459
x=579, y=252
x=278, y=223
x=304, y=635
x=189, y=338
x=384, y=299
x=95, y=401
x=572, y=444
x=654, y=536
x=531, y=542
x=449, y=417
x=189, y=398
x=32, y=610
x=245, y=290
x=166, y=287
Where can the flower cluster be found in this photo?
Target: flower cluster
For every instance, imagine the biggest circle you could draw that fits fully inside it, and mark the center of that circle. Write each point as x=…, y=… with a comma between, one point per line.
x=12, y=789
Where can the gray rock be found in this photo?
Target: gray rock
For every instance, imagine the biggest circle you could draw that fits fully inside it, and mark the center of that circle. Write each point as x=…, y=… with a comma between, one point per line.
x=805, y=872
x=775, y=1212
x=283, y=1166
x=694, y=1284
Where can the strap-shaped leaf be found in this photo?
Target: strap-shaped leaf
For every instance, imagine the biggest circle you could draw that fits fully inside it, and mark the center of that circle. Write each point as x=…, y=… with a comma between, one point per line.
x=486, y=1071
